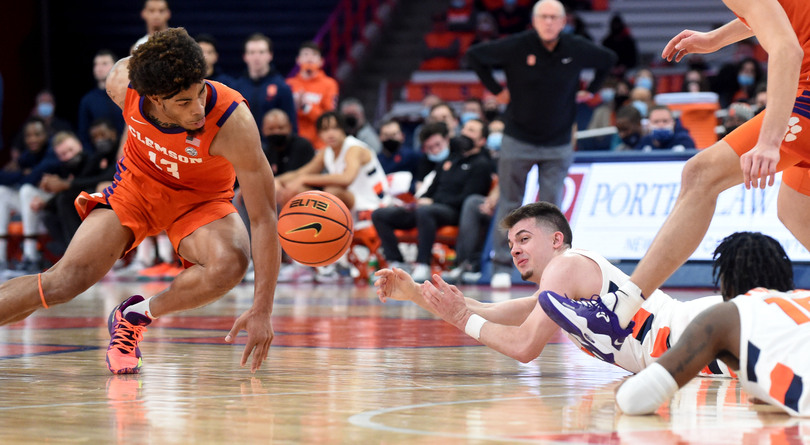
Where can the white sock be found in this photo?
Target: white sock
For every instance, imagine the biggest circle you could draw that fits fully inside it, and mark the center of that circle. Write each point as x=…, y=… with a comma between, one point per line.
x=165, y=250
x=4, y=249
x=625, y=302
x=141, y=308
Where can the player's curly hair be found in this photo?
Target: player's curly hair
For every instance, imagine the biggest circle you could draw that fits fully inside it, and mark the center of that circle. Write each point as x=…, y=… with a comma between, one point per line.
x=745, y=260
x=169, y=62
x=545, y=213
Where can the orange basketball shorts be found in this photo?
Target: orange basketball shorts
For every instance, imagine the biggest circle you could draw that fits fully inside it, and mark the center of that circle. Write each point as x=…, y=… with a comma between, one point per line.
x=794, y=153
x=148, y=207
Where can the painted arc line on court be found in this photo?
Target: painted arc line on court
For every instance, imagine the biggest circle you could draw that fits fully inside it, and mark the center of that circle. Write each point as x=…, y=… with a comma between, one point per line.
x=363, y=420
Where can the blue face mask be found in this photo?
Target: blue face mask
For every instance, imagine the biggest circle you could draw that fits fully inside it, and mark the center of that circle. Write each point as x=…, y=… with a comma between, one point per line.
x=440, y=156
x=468, y=115
x=641, y=106
x=607, y=94
x=663, y=135
x=509, y=2
x=644, y=82
x=568, y=29
x=425, y=113
x=745, y=80
x=45, y=109
x=494, y=141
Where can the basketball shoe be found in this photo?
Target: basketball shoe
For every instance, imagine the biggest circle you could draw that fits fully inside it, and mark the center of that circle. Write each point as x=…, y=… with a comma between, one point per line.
x=591, y=322
x=123, y=354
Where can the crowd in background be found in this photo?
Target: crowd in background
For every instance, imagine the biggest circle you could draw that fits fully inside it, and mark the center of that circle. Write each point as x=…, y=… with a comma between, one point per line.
x=441, y=170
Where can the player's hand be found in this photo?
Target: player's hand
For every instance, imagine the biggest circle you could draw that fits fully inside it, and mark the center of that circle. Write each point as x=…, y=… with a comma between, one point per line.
x=395, y=284
x=503, y=97
x=759, y=166
x=260, y=335
x=446, y=301
x=687, y=42
x=583, y=96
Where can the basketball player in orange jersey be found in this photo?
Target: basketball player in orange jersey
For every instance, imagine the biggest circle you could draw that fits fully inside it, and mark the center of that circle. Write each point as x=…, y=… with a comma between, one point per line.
x=187, y=140
x=313, y=91
x=777, y=139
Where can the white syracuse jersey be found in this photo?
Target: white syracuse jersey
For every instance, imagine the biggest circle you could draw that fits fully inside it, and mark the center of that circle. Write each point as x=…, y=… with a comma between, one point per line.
x=370, y=187
x=775, y=347
x=659, y=323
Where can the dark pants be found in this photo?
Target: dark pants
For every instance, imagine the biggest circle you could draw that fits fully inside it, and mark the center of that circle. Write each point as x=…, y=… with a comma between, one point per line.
x=426, y=218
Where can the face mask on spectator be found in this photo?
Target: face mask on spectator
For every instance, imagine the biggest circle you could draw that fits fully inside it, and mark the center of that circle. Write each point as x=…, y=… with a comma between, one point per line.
x=641, y=106
x=494, y=141
x=663, y=135
x=607, y=94
x=509, y=2
x=391, y=145
x=45, y=109
x=644, y=82
x=278, y=140
x=745, y=80
x=309, y=67
x=631, y=140
x=457, y=3
x=440, y=156
x=75, y=161
x=568, y=29
x=468, y=115
x=104, y=146
x=491, y=114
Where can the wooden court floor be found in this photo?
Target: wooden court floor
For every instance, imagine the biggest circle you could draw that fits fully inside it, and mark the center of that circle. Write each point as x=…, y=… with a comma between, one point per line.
x=344, y=369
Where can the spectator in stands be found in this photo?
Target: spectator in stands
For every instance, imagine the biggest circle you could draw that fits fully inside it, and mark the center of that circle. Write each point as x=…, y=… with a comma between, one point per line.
x=512, y=17
x=461, y=16
x=285, y=150
x=80, y=170
x=575, y=25
x=476, y=214
x=622, y=42
x=495, y=138
x=435, y=140
x=644, y=78
x=604, y=115
x=96, y=104
x=444, y=112
x=738, y=83
x=738, y=113
x=665, y=132
x=357, y=125
x=642, y=99
x=18, y=187
x=486, y=28
x=155, y=15
x=629, y=128
x=543, y=96
x=492, y=108
x=466, y=172
x=443, y=47
x=208, y=44
x=694, y=81
x=263, y=86
x=471, y=108
x=45, y=109
x=395, y=156
x=313, y=91
x=346, y=168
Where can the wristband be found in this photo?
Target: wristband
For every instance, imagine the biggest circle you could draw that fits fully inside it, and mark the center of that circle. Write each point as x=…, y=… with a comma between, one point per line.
x=474, y=325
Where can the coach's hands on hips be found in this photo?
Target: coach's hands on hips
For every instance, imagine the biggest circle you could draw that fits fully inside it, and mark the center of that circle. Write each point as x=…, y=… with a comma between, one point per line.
x=395, y=284
x=446, y=301
x=260, y=335
x=759, y=165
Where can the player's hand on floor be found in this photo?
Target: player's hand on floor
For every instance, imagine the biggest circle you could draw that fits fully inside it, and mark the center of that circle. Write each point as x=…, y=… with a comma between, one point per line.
x=260, y=336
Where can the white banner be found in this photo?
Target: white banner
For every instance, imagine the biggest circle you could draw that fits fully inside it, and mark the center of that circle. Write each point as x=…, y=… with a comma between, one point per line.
x=616, y=209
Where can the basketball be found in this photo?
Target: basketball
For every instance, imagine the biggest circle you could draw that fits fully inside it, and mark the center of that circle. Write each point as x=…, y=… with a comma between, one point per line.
x=315, y=228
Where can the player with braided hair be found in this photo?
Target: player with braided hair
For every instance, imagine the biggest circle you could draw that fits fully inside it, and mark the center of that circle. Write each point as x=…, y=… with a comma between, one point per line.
x=764, y=333
x=188, y=139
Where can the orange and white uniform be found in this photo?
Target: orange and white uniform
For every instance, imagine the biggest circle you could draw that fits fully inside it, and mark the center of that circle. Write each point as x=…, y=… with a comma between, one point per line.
x=659, y=323
x=797, y=136
x=318, y=94
x=775, y=347
x=167, y=179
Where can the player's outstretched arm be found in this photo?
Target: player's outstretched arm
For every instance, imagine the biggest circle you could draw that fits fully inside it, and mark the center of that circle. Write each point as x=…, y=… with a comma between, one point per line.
x=696, y=42
x=523, y=343
x=238, y=141
x=715, y=333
